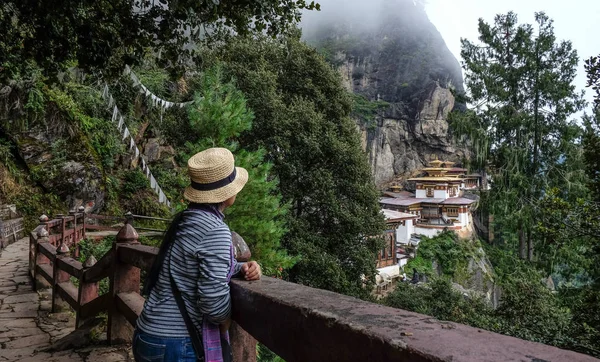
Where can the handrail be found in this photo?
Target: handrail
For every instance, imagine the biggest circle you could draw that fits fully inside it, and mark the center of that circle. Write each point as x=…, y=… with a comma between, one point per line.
x=100, y=269
x=297, y=322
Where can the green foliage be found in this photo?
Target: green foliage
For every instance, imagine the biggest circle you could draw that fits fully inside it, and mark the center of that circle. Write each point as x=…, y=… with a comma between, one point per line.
x=592, y=67
x=7, y=158
x=567, y=232
x=133, y=182
x=438, y=299
x=217, y=119
x=448, y=251
x=591, y=153
x=219, y=114
x=302, y=121
x=366, y=110
x=97, y=249
x=34, y=203
x=528, y=309
x=104, y=35
x=531, y=311
x=264, y=354
x=520, y=81
x=173, y=183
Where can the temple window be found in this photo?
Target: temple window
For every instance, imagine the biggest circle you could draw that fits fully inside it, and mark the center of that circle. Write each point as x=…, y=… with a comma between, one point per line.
x=452, y=211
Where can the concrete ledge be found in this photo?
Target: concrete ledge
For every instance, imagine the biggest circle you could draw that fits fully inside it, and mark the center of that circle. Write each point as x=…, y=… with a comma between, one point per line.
x=306, y=324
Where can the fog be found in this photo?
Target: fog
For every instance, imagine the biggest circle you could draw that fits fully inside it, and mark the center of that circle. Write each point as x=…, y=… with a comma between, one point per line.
x=357, y=15
x=575, y=20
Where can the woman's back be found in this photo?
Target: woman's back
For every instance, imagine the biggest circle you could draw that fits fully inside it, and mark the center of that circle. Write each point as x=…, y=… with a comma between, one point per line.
x=199, y=261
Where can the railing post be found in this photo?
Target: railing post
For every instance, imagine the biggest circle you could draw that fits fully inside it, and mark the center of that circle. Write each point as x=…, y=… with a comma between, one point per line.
x=75, y=235
x=63, y=227
x=82, y=211
x=39, y=258
x=125, y=279
x=243, y=345
x=87, y=291
x=129, y=218
x=33, y=241
x=59, y=276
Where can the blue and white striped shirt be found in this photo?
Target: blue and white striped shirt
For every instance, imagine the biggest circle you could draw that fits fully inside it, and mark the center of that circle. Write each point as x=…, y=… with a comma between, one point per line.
x=199, y=260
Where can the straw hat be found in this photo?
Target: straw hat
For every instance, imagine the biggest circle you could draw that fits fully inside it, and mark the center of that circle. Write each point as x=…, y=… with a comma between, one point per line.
x=214, y=177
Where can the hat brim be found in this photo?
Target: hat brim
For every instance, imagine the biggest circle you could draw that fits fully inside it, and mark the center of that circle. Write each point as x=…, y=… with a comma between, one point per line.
x=221, y=194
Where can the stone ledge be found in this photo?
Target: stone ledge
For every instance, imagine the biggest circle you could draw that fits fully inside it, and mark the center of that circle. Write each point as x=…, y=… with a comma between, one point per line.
x=306, y=324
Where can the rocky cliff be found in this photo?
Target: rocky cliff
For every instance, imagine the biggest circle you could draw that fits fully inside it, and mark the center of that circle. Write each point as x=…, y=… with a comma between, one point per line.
x=391, y=55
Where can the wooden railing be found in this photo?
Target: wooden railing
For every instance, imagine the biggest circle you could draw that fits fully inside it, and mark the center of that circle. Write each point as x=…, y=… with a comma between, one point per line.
x=296, y=322
x=53, y=264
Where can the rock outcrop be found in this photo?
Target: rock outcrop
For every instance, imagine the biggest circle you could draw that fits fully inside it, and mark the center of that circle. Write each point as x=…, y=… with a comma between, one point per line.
x=63, y=165
x=396, y=56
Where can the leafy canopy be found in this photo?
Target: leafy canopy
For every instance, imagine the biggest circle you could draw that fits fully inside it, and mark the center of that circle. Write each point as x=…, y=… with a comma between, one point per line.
x=302, y=122
x=519, y=81
x=104, y=34
x=216, y=119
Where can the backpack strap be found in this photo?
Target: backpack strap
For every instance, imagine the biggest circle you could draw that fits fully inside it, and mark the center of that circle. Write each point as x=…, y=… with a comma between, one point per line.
x=192, y=330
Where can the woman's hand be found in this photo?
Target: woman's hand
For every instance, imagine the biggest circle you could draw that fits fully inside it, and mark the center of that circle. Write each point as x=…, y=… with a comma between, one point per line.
x=251, y=271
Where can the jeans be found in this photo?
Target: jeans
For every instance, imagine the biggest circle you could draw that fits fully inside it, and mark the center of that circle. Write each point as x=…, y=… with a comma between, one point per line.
x=148, y=348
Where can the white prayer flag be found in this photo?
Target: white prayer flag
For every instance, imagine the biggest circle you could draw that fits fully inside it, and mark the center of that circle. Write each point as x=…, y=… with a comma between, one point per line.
x=152, y=182
x=125, y=133
x=137, y=152
x=114, y=115
x=120, y=123
x=131, y=143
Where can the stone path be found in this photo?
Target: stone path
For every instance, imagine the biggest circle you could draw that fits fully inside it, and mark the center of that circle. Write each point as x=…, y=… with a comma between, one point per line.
x=27, y=328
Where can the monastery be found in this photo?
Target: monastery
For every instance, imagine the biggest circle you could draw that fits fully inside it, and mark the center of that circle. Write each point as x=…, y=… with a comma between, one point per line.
x=439, y=203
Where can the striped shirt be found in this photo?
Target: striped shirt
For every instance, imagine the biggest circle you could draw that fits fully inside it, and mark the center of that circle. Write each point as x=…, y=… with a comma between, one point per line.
x=199, y=260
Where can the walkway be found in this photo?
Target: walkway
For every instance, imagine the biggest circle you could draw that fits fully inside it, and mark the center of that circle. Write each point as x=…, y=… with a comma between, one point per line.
x=28, y=329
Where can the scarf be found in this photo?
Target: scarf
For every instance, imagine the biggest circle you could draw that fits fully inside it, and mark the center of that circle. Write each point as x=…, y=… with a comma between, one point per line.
x=212, y=338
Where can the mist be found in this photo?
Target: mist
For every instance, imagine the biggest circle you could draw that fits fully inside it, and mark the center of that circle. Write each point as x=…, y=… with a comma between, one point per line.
x=357, y=15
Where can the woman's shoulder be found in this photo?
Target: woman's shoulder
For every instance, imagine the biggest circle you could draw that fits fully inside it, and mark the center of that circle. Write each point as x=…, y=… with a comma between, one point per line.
x=204, y=222
x=203, y=216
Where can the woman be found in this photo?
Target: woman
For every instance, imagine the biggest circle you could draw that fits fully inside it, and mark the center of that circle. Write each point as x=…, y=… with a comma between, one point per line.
x=187, y=313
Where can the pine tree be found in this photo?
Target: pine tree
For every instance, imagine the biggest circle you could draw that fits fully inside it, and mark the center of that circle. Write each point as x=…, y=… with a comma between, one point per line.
x=217, y=118
x=519, y=82
x=302, y=121
x=591, y=138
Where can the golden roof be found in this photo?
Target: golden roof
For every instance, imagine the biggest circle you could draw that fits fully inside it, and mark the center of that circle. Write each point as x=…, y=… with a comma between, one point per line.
x=437, y=179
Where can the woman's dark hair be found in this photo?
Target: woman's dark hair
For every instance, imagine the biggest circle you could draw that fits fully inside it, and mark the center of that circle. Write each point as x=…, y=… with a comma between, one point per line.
x=152, y=277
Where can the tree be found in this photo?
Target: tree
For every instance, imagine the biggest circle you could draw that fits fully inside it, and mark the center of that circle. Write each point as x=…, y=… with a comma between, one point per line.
x=104, y=34
x=302, y=121
x=520, y=83
x=591, y=137
x=216, y=119
x=592, y=67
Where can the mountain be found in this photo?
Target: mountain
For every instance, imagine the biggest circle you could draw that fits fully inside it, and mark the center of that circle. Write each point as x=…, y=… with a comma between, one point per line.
x=402, y=75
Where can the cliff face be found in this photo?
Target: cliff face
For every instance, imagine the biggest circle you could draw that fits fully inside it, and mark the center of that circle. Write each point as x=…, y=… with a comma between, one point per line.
x=400, y=60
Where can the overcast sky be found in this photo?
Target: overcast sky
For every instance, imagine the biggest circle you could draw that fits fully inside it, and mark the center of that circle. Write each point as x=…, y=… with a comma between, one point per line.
x=574, y=20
